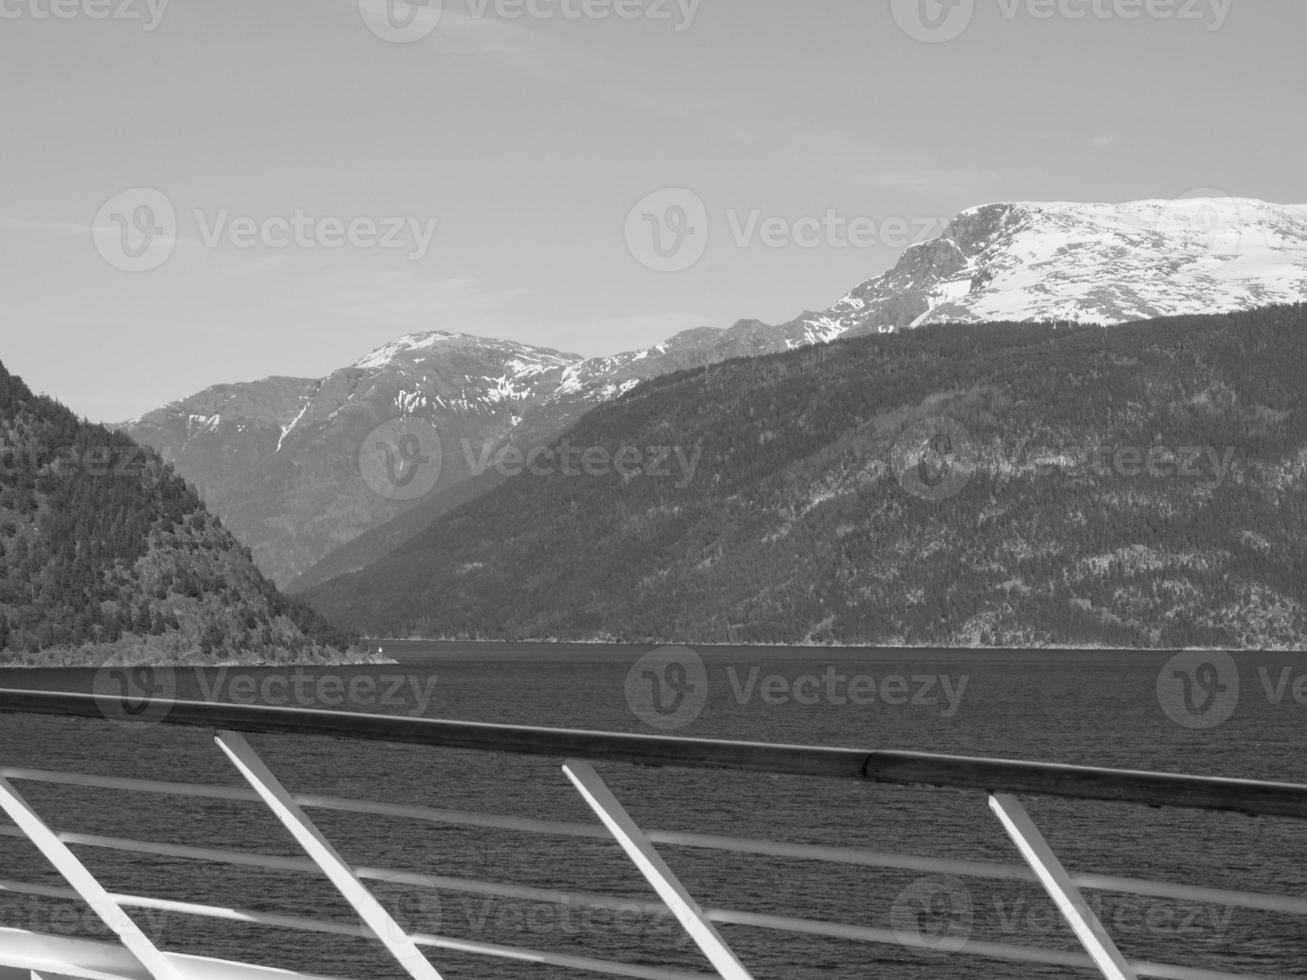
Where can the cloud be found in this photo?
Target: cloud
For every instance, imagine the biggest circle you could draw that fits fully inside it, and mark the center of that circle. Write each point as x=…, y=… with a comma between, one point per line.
x=1104, y=141
x=930, y=180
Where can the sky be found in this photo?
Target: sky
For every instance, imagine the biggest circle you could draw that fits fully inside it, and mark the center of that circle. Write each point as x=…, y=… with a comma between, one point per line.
x=199, y=192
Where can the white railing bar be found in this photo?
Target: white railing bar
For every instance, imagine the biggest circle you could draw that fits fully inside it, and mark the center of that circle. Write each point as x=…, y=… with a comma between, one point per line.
x=276, y=920
x=1282, y=904
x=302, y=924
x=44, y=891
x=887, y=937
x=776, y=923
x=566, y=960
x=437, y=882
x=973, y=947
x=85, y=884
x=155, y=786
x=310, y=801
x=95, y=960
x=338, y=872
x=1061, y=889
x=250, y=859
x=1290, y=905
x=518, y=953
x=1164, y=971
x=464, y=818
x=45, y=967
x=524, y=893
x=1262, y=902
x=845, y=855
x=650, y=864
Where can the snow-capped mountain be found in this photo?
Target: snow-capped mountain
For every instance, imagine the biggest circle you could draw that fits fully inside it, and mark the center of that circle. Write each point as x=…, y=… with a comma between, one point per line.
x=1088, y=263
x=278, y=459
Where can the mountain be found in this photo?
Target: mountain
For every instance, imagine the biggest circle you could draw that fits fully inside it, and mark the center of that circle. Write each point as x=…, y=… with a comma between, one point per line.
x=1088, y=263
x=107, y=556
x=280, y=459
x=579, y=387
x=1015, y=484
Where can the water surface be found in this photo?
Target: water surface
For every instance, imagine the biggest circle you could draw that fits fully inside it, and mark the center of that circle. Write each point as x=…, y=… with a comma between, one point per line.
x=1089, y=707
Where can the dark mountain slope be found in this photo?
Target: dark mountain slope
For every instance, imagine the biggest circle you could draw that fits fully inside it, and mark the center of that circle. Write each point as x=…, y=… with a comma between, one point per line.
x=107, y=555
x=1004, y=483
x=279, y=459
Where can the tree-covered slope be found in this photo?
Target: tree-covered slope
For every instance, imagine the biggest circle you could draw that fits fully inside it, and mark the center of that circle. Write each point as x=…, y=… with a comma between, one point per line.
x=1143, y=484
x=107, y=555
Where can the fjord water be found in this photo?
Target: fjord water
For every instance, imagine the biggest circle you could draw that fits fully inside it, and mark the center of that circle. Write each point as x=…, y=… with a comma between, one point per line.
x=1086, y=707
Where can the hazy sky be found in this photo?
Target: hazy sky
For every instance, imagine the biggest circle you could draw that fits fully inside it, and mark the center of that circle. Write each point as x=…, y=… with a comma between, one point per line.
x=529, y=139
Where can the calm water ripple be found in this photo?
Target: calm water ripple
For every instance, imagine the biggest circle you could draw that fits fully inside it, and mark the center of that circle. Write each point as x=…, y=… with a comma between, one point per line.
x=1093, y=708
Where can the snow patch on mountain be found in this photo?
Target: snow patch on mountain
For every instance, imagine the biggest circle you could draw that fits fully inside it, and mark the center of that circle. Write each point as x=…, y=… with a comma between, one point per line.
x=413, y=343
x=1089, y=263
x=1063, y=262
x=287, y=429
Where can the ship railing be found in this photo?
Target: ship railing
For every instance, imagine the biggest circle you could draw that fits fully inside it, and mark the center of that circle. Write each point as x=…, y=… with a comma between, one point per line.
x=27, y=954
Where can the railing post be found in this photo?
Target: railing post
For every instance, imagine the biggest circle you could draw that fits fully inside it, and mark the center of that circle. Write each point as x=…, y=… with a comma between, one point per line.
x=1053, y=876
x=641, y=852
x=309, y=837
x=85, y=884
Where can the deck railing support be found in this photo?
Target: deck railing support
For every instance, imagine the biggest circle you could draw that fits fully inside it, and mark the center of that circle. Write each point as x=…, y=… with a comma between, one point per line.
x=85, y=884
x=341, y=874
x=1053, y=876
x=655, y=870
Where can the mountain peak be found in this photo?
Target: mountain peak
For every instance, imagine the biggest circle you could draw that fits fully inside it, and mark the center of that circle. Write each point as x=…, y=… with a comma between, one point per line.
x=279, y=460
x=409, y=344
x=420, y=345
x=1101, y=263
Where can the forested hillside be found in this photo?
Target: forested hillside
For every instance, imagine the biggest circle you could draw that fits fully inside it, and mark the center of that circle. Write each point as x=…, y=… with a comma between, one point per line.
x=106, y=555
x=1015, y=484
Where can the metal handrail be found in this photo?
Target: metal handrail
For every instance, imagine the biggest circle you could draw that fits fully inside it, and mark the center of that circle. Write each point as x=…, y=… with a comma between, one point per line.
x=1251, y=797
x=993, y=871
x=1007, y=952
x=1000, y=778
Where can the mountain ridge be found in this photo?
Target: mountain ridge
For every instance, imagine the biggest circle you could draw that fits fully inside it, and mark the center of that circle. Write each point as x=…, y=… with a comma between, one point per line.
x=268, y=466
x=1162, y=506
x=108, y=557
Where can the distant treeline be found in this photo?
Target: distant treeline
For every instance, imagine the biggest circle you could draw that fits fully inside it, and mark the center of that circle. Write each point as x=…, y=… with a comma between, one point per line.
x=1137, y=485
x=101, y=543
